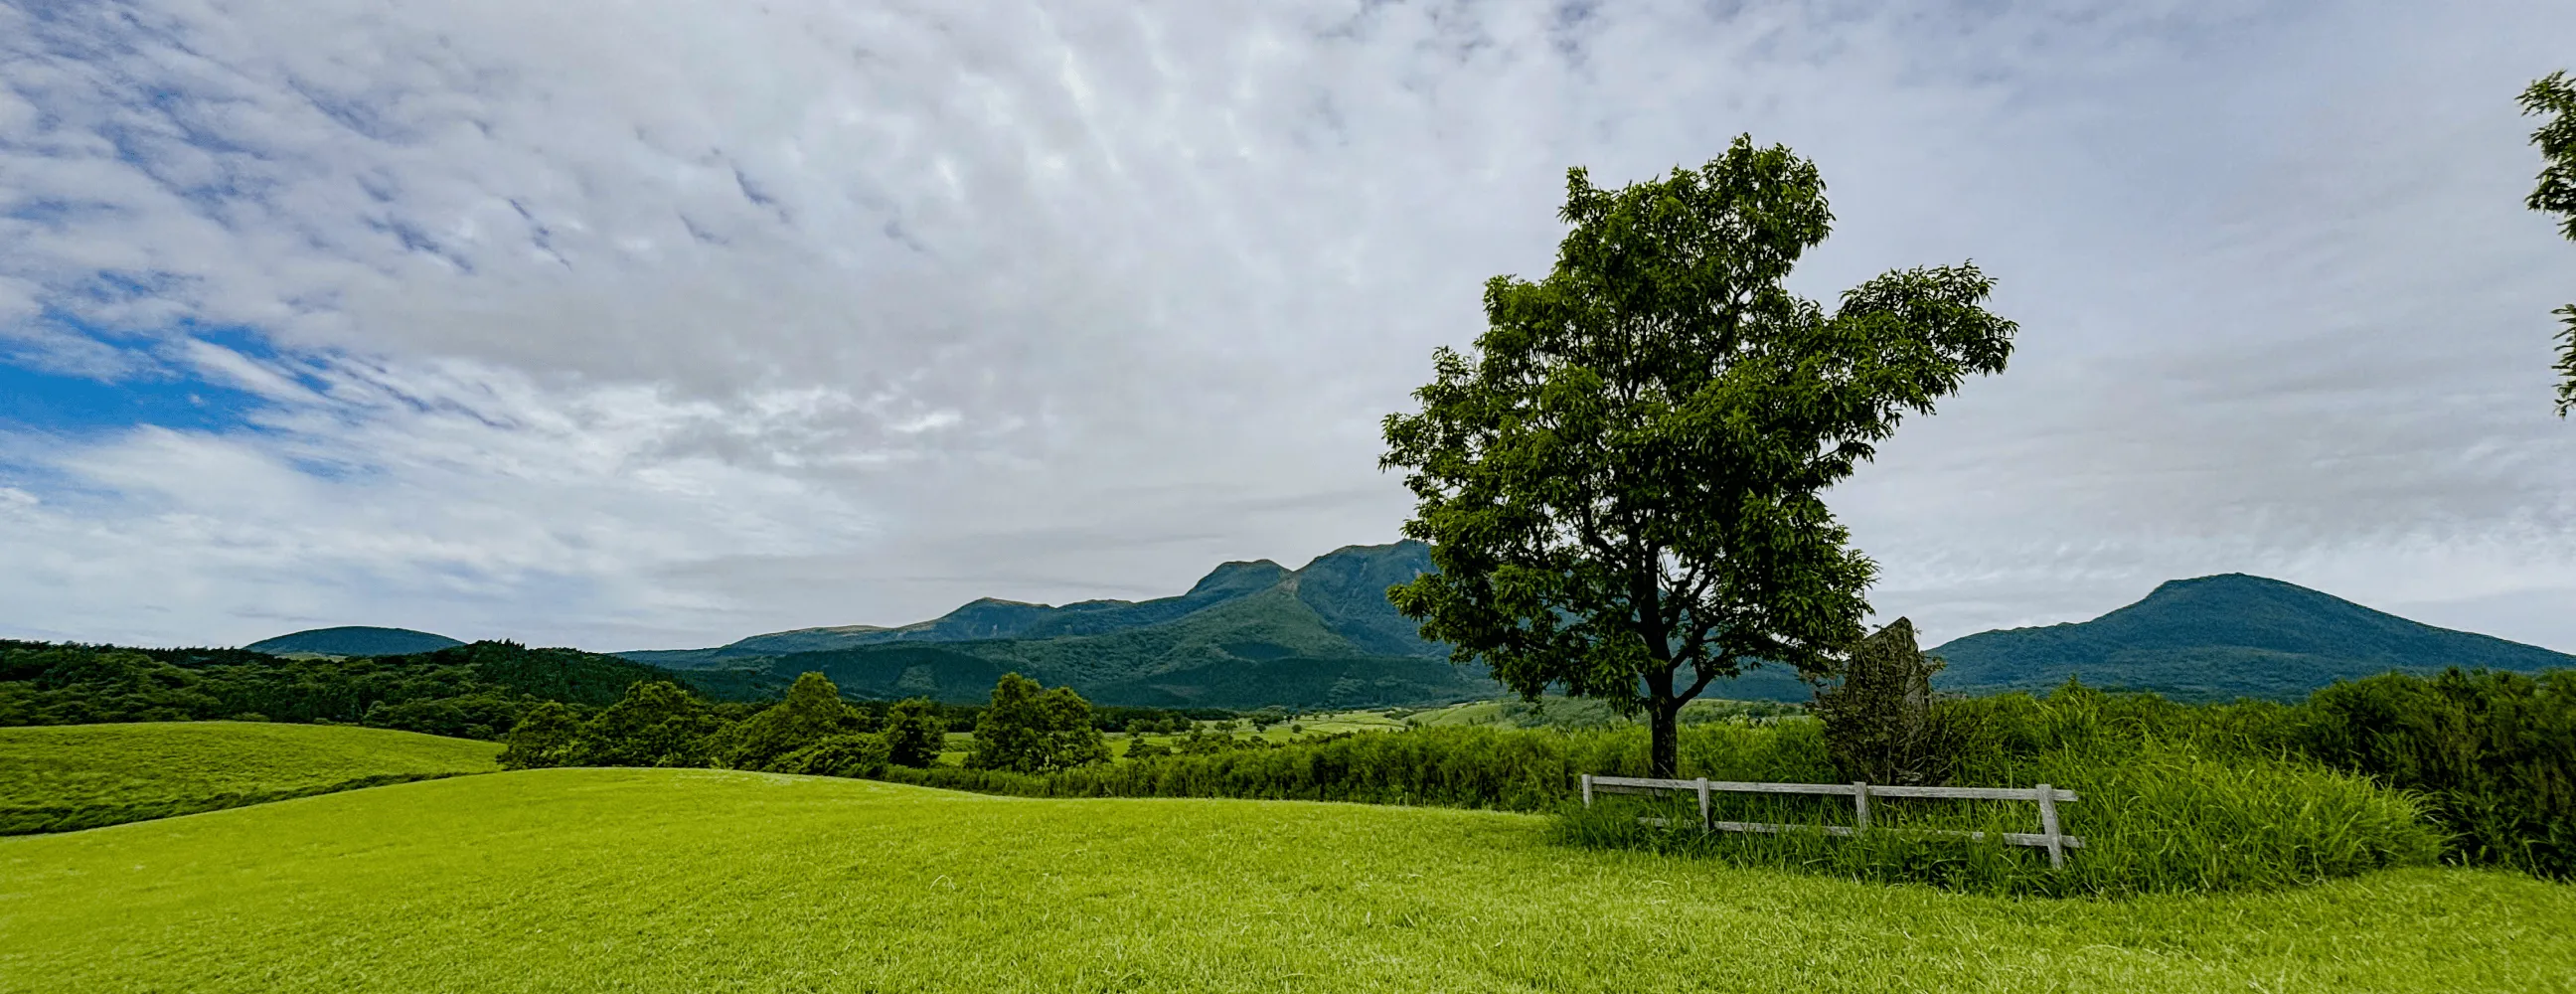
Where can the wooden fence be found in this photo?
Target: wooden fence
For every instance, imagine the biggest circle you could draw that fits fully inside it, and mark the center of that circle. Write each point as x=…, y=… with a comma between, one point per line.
x=2048, y=837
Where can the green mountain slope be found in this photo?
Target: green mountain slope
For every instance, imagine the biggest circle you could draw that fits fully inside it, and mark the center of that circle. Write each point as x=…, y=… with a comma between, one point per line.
x=2218, y=637
x=355, y=640
x=988, y=618
x=1267, y=648
x=1248, y=635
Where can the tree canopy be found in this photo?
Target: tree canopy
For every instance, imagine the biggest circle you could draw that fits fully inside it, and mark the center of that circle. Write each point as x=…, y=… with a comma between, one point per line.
x=1028, y=729
x=2554, y=97
x=1622, y=485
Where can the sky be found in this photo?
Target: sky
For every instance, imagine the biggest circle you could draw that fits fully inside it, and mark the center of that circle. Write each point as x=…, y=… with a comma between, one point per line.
x=662, y=323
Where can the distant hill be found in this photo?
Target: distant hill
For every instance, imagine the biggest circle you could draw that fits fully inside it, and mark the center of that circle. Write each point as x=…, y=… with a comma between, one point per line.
x=2222, y=637
x=355, y=640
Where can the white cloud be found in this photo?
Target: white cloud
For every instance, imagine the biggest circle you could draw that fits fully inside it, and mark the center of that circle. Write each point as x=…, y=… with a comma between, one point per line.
x=636, y=325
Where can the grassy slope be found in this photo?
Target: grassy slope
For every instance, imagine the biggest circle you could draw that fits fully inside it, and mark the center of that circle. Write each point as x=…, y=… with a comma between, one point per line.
x=694, y=880
x=64, y=777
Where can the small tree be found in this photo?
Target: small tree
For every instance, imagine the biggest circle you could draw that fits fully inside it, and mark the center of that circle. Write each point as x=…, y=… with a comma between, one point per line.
x=543, y=737
x=1880, y=723
x=1028, y=729
x=2554, y=96
x=811, y=712
x=657, y=723
x=1622, y=490
x=915, y=733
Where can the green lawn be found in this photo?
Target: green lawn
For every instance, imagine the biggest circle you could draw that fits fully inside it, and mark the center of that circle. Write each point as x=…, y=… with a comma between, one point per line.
x=63, y=777
x=701, y=880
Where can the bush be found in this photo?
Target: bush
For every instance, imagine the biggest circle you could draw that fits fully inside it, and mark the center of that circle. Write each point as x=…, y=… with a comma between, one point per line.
x=2494, y=754
x=1879, y=719
x=856, y=754
x=915, y=732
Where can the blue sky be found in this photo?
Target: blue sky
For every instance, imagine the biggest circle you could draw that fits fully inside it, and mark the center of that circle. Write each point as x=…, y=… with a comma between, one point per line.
x=643, y=326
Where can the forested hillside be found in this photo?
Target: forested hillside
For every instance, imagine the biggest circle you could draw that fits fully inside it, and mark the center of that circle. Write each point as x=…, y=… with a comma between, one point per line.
x=474, y=691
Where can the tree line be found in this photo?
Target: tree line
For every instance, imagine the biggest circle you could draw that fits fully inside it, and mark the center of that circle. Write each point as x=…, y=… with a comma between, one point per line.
x=1024, y=728
x=478, y=691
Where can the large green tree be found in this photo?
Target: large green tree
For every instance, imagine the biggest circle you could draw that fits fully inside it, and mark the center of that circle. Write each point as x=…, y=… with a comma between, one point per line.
x=1030, y=729
x=2554, y=98
x=1622, y=486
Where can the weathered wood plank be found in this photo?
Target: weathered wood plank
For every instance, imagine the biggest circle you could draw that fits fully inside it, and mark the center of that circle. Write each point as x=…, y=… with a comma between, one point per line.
x=2048, y=826
x=2010, y=838
x=1646, y=785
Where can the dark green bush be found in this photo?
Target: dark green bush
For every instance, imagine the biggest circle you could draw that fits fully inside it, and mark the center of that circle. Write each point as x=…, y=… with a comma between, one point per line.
x=2494, y=754
x=853, y=754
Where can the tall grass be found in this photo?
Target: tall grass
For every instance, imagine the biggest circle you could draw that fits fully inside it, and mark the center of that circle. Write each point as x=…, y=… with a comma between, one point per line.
x=2154, y=817
x=2174, y=798
x=1468, y=767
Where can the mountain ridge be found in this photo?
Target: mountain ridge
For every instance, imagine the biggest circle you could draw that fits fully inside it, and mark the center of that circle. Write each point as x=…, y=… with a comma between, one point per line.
x=2225, y=635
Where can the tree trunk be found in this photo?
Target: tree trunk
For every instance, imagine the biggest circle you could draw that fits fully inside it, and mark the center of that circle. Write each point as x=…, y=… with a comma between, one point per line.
x=1665, y=752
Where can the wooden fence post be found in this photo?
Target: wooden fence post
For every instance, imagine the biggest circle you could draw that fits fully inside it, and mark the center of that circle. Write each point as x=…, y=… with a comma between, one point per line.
x=1587, y=790
x=1860, y=806
x=2048, y=827
x=1703, y=804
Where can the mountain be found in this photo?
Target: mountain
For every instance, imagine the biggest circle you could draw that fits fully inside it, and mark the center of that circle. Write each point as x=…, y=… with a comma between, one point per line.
x=1248, y=634
x=2221, y=637
x=990, y=618
x=354, y=640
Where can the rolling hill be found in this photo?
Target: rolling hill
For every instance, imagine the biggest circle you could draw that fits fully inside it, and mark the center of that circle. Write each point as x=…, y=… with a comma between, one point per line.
x=2226, y=636
x=354, y=640
x=67, y=777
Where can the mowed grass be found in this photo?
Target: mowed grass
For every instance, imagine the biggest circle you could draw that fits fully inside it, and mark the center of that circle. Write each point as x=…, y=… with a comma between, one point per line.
x=702, y=880
x=65, y=777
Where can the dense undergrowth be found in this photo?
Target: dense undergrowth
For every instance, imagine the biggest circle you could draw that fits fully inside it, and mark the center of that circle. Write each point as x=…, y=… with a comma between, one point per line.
x=2394, y=770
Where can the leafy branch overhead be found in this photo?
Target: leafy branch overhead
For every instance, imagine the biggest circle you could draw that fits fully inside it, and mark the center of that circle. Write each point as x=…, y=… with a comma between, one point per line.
x=1622, y=485
x=2554, y=96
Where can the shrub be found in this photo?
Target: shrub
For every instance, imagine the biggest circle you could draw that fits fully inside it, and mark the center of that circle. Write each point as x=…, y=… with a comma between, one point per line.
x=854, y=754
x=2493, y=753
x=1879, y=721
x=914, y=733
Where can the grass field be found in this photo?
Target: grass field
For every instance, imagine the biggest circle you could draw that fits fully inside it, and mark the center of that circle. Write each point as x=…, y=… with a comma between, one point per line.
x=65, y=777
x=700, y=880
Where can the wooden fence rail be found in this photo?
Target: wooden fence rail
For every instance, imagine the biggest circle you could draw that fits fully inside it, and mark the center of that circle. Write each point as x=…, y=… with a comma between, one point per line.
x=2048, y=837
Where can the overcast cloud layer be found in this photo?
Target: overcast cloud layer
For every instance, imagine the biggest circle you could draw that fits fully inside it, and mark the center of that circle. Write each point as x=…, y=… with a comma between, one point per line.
x=629, y=325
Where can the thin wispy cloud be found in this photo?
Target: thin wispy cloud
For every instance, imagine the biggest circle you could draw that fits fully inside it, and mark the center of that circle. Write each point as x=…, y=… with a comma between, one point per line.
x=631, y=325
